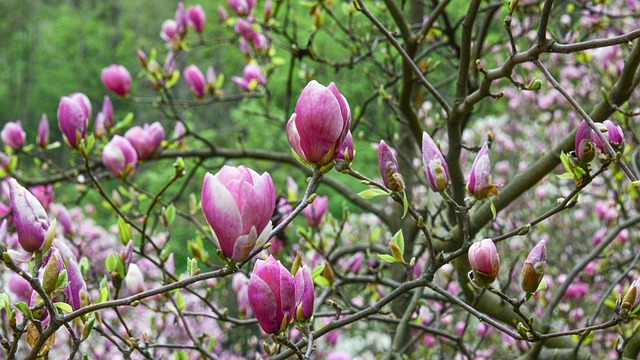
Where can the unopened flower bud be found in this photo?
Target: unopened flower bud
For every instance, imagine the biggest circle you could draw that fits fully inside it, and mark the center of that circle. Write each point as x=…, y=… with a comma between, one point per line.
x=242, y=7
x=320, y=123
x=50, y=275
x=43, y=132
x=12, y=135
x=120, y=157
x=196, y=18
x=304, y=293
x=195, y=80
x=630, y=301
x=142, y=57
x=484, y=261
x=315, y=212
x=435, y=166
x=533, y=269
x=347, y=151
x=389, y=170
x=272, y=295
x=222, y=14
x=584, y=146
x=29, y=217
x=116, y=78
x=480, y=184
x=73, y=117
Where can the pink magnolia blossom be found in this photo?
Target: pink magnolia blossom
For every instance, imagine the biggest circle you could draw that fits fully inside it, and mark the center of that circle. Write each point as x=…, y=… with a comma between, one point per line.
x=12, y=134
x=272, y=295
x=435, y=166
x=238, y=204
x=485, y=262
x=146, y=140
x=116, y=78
x=320, y=123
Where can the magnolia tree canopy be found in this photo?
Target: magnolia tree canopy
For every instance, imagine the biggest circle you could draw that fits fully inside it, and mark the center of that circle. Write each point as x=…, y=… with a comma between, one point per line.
x=334, y=179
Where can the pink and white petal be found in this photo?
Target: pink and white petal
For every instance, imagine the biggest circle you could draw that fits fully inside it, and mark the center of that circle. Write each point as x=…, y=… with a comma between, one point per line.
x=240, y=190
x=264, y=235
x=259, y=205
x=263, y=304
x=294, y=137
x=319, y=121
x=244, y=244
x=221, y=212
x=227, y=173
x=287, y=292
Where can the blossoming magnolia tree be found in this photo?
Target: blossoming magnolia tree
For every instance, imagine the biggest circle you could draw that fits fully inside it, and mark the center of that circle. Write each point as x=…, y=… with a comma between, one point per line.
x=500, y=222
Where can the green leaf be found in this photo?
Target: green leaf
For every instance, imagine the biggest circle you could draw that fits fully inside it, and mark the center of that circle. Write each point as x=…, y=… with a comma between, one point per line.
x=635, y=183
x=565, y=162
x=53, y=145
x=63, y=306
x=610, y=303
x=219, y=81
x=124, y=232
x=565, y=176
x=173, y=79
x=321, y=281
x=91, y=140
x=110, y=263
x=317, y=271
x=398, y=238
x=493, y=208
x=181, y=355
x=4, y=298
x=63, y=280
x=120, y=267
x=126, y=120
x=542, y=286
x=212, y=343
x=371, y=193
x=405, y=204
x=86, y=331
x=277, y=60
x=170, y=213
x=24, y=309
x=104, y=291
x=179, y=302
x=387, y=258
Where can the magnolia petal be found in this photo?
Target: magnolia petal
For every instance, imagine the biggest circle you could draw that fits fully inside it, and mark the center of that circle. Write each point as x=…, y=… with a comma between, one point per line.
x=319, y=121
x=221, y=213
x=259, y=205
x=263, y=303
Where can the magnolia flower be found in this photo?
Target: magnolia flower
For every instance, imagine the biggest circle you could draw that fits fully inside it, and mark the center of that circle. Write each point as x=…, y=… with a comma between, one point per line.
x=29, y=217
x=197, y=18
x=533, y=269
x=480, y=184
x=119, y=157
x=584, y=145
x=43, y=132
x=435, y=167
x=12, y=134
x=315, y=212
x=116, y=78
x=484, y=261
x=237, y=204
x=272, y=295
x=145, y=140
x=242, y=7
x=195, y=80
x=389, y=170
x=304, y=294
x=73, y=118
x=320, y=124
